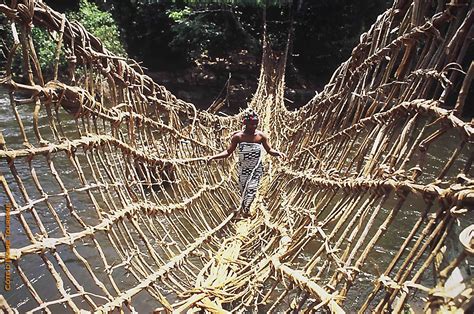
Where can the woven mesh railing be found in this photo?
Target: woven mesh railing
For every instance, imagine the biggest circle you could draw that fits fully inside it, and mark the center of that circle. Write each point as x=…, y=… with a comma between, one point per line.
x=108, y=202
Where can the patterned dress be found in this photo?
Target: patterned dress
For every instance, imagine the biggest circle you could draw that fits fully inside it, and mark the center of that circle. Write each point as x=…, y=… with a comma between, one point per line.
x=250, y=172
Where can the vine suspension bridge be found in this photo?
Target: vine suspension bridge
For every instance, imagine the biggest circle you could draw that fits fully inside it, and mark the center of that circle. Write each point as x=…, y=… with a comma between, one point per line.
x=113, y=208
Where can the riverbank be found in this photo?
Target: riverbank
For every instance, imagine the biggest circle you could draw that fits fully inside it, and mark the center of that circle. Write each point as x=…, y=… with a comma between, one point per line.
x=232, y=80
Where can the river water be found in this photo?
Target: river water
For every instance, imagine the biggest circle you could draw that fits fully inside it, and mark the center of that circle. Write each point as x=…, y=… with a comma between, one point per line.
x=34, y=267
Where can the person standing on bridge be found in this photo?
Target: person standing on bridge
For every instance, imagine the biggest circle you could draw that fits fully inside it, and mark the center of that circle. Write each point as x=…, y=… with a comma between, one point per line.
x=250, y=142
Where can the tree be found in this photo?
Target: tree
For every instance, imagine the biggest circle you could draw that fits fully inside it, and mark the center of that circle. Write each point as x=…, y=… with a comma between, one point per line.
x=101, y=24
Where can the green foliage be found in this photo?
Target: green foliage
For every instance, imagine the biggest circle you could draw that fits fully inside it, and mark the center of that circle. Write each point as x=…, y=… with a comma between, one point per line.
x=194, y=34
x=179, y=16
x=146, y=29
x=254, y=3
x=4, y=33
x=100, y=24
x=166, y=34
x=45, y=48
x=208, y=30
x=170, y=34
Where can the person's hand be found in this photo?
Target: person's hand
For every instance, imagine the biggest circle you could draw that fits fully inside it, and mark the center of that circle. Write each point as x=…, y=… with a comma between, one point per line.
x=281, y=155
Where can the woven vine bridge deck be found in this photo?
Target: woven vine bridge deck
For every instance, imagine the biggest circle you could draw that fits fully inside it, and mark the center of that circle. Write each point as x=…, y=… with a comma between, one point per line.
x=108, y=203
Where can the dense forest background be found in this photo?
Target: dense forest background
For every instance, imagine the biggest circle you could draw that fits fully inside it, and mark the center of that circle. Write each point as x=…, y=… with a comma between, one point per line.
x=204, y=51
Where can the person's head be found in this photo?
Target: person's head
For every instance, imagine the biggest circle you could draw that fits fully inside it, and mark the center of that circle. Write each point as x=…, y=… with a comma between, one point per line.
x=250, y=121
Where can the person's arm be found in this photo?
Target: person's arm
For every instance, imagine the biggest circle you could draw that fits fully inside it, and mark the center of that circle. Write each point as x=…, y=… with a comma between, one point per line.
x=270, y=150
x=226, y=153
